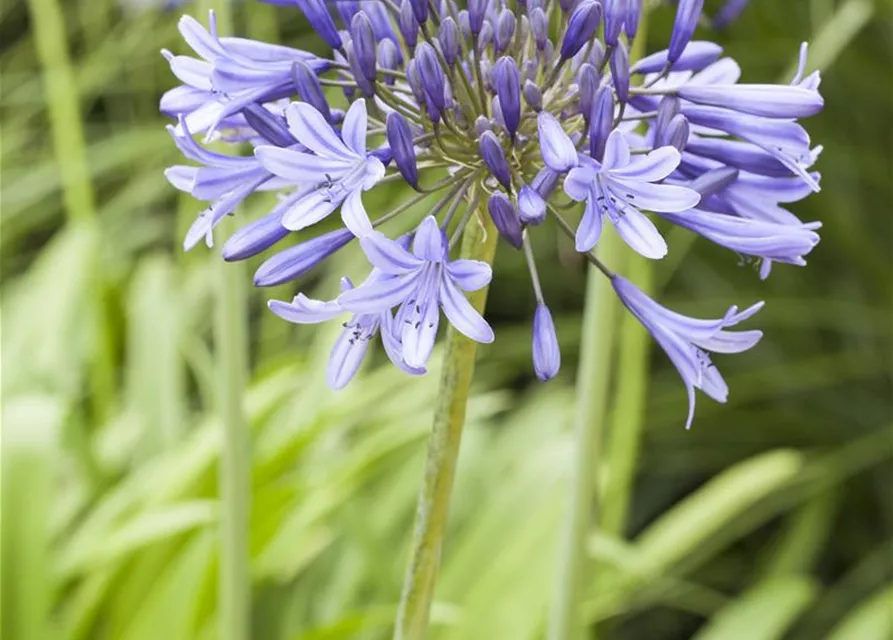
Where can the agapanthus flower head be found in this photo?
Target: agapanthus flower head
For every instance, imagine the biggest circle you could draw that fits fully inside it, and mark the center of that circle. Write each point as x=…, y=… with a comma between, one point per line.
x=511, y=123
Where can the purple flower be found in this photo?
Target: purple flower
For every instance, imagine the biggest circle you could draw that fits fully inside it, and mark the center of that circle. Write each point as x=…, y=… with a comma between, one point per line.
x=340, y=169
x=696, y=56
x=581, y=26
x=619, y=186
x=424, y=281
x=687, y=341
x=505, y=218
x=222, y=180
x=557, y=150
x=351, y=346
x=230, y=74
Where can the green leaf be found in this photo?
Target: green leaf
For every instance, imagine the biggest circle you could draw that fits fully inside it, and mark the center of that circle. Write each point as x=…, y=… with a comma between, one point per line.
x=763, y=613
x=870, y=620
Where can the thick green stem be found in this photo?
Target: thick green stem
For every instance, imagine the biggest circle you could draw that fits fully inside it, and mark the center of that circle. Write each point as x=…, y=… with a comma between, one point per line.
x=593, y=381
x=479, y=243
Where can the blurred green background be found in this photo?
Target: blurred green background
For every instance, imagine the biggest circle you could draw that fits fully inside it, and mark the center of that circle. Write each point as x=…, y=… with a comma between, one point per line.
x=772, y=518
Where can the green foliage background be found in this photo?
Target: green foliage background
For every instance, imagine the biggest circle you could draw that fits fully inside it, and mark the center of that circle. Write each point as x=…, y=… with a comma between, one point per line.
x=770, y=519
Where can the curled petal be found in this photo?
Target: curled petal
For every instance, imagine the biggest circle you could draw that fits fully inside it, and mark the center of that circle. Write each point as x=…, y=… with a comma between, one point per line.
x=470, y=275
x=389, y=256
x=304, y=310
x=462, y=315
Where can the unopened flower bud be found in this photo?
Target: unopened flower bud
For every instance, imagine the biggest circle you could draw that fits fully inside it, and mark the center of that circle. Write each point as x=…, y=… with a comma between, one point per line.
x=505, y=218
x=399, y=137
x=581, y=26
x=531, y=205
x=532, y=95
x=494, y=158
x=546, y=353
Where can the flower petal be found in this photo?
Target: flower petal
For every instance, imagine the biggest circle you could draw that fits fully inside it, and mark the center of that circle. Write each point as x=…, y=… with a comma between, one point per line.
x=462, y=315
x=311, y=129
x=374, y=297
x=353, y=213
x=353, y=130
x=301, y=168
x=653, y=197
x=616, y=151
x=387, y=255
x=558, y=151
x=429, y=243
x=654, y=166
x=590, y=228
x=470, y=275
x=579, y=181
x=640, y=233
x=419, y=335
x=346, y=358
x=309, y=210
x=304, y=310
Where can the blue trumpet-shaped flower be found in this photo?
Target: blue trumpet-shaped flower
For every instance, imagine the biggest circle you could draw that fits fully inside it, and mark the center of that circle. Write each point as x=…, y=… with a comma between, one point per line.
x=340, y=168
x=425, y=281
x=620, y=187
x=687, y=341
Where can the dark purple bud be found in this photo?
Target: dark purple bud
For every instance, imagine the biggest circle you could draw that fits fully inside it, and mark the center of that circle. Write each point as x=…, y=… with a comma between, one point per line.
x=268, y=125
x=415, y=82
x=667, y=108
x=366, y=87
x=449, y=40
x=546, y=353
x=505, y=29
x=420, y=10
x=388, y=58
x=615, y=14
x=508, y=88
x=295, y=261
x=545, y=182
x=477, y=9
x=255, y=237
x=712, y=182
x=363, y=40
x=432, y=75
x=531, y=206
x=587, y=80
x=566, y=5
x=601, y=121
x=409, y=26
x=687, y=15
x=481, y=124
x=676, y=133
x=532, y=95
x=309, y=89
x=505, y=218
x=494, y=158
x=633, y=15
x=400, y=140
x=620, y=71
x=581, y=26
x=539, y=26
x=485, y=37
x=346, y=11
x=320, y=19
x=464, y=25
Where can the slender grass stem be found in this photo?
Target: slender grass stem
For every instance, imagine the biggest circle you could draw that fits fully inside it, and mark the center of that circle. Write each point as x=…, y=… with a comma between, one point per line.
x=234, y=472
x=600, y=319
x=64, y=112
x=478, y=242
x=628, y=417
x=593, y=378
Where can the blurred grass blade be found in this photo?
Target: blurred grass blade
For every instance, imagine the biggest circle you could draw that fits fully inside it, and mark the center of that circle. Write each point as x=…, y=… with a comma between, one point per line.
x=870, y=620
x=31, y=428
x=685, y=527
x=763, y=613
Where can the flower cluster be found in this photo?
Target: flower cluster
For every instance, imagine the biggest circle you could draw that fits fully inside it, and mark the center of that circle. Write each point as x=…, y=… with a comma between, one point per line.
x=514, y=112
